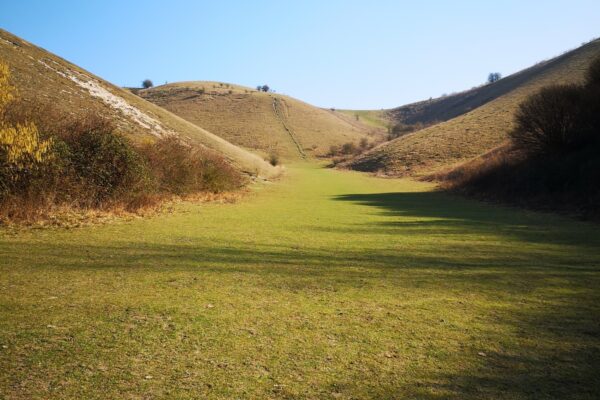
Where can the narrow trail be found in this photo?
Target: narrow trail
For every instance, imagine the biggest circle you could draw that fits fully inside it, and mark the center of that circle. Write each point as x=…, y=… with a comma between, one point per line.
x=280, y=110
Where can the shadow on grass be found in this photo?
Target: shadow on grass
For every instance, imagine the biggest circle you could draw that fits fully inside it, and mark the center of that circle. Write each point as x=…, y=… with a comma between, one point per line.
x=438, y=213
x=557, y=273
x=535, y=371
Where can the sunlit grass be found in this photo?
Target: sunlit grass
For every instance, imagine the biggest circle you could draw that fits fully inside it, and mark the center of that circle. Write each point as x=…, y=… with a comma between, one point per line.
x=326, y=284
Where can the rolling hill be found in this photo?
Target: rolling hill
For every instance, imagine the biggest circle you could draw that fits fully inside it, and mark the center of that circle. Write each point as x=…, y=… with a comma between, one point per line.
x=472, y=122
x=46, y=79
x=264, y=122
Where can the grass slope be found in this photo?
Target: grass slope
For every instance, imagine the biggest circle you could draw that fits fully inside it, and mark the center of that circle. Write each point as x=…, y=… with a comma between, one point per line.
x=472, y=132
x=380, y=289
x=43, y=78
x=265, y=122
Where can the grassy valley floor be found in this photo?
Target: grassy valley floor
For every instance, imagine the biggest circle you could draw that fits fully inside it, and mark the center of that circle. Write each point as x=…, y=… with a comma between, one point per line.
x=326, y=284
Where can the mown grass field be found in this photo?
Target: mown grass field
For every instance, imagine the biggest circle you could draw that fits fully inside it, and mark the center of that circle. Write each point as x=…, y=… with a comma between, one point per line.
x=326, y=284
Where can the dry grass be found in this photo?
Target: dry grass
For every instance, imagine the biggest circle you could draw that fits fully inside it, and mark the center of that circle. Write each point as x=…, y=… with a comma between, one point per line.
x=65, y=216
x=45, y=78
x=475, y=132
x=264, y=122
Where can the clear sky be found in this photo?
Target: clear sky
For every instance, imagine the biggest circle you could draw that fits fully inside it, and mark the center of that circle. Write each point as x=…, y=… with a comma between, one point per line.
x=347, y=54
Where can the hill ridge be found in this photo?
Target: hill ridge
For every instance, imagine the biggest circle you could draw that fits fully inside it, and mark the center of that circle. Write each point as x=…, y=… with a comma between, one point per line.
x=44, y=78
x=472, y=133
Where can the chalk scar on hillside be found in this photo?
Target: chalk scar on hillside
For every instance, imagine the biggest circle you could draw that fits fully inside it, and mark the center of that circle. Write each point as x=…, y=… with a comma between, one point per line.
x=116, y=102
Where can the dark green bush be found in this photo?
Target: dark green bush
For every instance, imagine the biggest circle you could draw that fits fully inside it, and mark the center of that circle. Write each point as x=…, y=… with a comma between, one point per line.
x=107, y=167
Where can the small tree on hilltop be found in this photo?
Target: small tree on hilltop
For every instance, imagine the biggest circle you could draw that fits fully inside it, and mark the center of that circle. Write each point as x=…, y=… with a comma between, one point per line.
x=265, y=88
x=147, y=83
x=494, y=77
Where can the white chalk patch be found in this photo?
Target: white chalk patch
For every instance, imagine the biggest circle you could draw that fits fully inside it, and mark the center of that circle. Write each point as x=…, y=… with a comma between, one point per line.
x=116, y=102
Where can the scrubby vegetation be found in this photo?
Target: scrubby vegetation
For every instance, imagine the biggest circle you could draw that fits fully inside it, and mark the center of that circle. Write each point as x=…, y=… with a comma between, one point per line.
x=50, y=160
x=553, y=158
x=401, y=129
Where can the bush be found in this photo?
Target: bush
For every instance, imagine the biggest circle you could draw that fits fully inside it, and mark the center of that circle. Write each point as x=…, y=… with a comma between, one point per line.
x=556, y=119
x=401, y=129
x=592, y=76
x=348, y=148
x=107, y=166
x=181, y=170
x=274, y=159
x=147, y=83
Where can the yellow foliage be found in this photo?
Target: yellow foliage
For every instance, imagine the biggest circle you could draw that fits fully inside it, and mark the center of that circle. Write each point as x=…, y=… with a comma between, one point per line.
x=6, y=89
x=20, y=145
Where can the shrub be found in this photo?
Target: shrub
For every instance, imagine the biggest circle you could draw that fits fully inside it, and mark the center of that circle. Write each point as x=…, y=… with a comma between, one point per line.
x=181, y=170
x=401, y=129
x=147, y=83
x=348, y=148
x=364, y=143
x=274, y=159
x=556, y=119
x=107, y=166
x=334, y=150
x=592, y=76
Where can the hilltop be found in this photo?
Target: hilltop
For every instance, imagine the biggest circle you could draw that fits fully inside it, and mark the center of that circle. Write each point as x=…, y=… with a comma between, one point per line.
x=262, y=121
x=45, y=79
x=472, y=122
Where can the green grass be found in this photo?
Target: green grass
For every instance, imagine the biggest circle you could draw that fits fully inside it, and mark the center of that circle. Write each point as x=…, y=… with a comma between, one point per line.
x=327, y=284
x=374, y=118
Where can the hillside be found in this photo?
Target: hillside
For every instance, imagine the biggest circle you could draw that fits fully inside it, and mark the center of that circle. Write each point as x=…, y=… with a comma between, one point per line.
x=264, y=122
x=475, y=121
x=48, y=80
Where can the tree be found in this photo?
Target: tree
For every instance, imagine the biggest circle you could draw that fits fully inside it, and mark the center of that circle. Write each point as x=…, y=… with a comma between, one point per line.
x=348, y=148
x=259, y=88
x=265, y=88
x=147, y=83
x=593, y=73
x=494, y=77
x=556, y=119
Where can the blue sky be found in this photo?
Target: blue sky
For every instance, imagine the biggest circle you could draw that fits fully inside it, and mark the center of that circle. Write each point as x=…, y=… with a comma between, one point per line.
x=345, y=54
